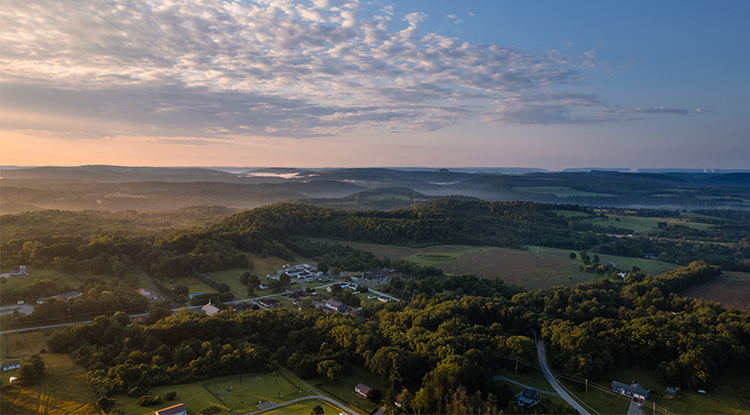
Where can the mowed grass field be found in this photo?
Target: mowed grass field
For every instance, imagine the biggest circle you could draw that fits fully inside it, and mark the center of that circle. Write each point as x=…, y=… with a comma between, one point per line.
x=238, y=393
x=63, y=390
x=731, y=289
x=537, y=268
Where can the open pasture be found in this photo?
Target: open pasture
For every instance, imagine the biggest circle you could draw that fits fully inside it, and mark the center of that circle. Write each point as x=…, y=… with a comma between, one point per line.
x=730, y=289
x=643, y=224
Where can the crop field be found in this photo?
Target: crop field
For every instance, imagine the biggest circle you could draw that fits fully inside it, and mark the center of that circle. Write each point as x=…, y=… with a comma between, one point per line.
x=537, y=268
x=730, y=289
x=559, y=191
x=238, y=393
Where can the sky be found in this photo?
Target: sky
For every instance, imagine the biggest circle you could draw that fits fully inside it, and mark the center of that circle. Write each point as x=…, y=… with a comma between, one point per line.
x=433, y=83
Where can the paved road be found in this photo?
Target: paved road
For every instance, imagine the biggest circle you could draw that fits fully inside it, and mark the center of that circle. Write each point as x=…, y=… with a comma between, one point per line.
x=503, y=378
x=542, y=355
x=320, y=397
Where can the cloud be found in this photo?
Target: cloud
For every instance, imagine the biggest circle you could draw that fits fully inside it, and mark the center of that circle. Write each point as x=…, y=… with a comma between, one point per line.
x=212, y=69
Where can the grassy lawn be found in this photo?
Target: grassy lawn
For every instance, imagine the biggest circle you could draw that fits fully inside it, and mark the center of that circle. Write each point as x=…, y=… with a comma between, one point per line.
x=531, y=377
x=603, y=402
x=246, y=391
x=193, y=284
x=16, y=283
x=343, y=390
x=559, y=191
x=730, y=396
x=231, y=277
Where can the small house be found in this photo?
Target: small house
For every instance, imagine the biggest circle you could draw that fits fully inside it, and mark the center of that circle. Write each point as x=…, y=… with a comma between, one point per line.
x=13, y=364
x=362, y=390
x=634, y=391
x=269, y=302
x=528, y=397
x=144, y=292
x=178, y=409
x=210, y=309
x=336, y=305
x=191, y=296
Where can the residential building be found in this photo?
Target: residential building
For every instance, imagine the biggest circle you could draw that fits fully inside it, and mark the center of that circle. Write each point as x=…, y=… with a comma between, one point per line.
x=528, y=397
x=362, y=390
x=634, y=391
x=336, y=305
x=11, y=365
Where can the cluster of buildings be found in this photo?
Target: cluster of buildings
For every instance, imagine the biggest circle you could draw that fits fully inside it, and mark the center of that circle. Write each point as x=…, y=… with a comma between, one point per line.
x=302, y=272
x=375, y=277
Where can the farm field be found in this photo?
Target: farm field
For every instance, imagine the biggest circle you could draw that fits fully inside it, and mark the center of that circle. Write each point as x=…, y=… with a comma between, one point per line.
x=641, y=224
x=559, y=191
x=238, y=393
x=546, y=268
x=730, y=289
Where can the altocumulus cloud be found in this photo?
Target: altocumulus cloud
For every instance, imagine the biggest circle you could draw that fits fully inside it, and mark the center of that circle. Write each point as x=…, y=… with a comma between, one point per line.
x=209, y=68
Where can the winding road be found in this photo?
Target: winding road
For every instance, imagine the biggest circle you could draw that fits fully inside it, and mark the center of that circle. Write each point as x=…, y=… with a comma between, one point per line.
x=542, y=355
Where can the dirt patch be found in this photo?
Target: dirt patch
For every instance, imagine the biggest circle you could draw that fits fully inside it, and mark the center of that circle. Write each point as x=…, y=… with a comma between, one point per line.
x=731, y=289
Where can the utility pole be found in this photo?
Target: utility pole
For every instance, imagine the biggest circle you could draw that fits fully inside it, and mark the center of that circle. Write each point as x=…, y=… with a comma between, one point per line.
x=516, y=366
x=587, y=390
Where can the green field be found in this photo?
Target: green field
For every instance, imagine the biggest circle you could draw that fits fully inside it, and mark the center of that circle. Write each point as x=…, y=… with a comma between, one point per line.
x=559, y=191
x=64, y=388
x=238, y=393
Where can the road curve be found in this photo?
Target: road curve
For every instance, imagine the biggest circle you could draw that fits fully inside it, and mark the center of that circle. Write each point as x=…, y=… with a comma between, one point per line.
x=542, y=355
